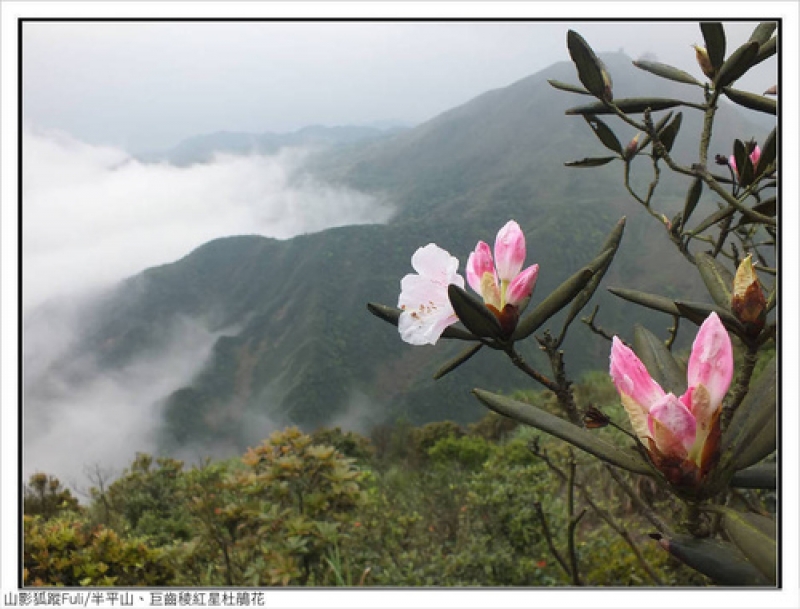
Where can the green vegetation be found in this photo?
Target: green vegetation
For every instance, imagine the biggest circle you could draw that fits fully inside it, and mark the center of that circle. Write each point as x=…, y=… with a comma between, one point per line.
x=436, y=505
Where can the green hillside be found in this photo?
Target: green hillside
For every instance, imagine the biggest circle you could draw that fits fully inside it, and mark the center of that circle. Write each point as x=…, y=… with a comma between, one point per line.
x=298, y=344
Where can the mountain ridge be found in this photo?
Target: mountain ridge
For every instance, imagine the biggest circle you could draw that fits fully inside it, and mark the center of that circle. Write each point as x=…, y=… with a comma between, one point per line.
x=297, y=343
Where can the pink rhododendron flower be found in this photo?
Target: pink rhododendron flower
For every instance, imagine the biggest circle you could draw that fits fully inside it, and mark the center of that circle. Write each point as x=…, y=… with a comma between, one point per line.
x=681, y=434
x=423, y=297
x=500, y=280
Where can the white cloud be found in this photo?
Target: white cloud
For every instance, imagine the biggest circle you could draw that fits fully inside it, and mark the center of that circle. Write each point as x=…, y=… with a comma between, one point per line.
x=93, y=215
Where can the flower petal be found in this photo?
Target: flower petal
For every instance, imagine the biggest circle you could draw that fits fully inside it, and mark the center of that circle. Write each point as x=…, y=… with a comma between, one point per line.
x=631, y=377
x=672, y=426
x=426, y=307
x=521, y=287
x=711, y=361
x=479, y=263
x=509, y=251
x=434, y=262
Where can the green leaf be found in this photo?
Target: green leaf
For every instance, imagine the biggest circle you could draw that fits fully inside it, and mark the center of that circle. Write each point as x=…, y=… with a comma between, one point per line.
x=473, y=313
x=611, y=244
x=751, y=101
x=754, y=535
x=651, y=301
x=666, y=71
x=763, y=32
x=555, y=301
x=719, y=560
x=698, y=312
x=763, y=476
x=657, y=127
x=756, y=412
x=714, y=37
x=762, y=445
x=604, y=134
x=555, y=426
x=711, y=220
x=659, y=361
x=568, y=87
x=457, y=361
x=632, y=105
x=670, y=132
x=692, y=198
x=736, y=65
x=590, y=68
x=591, y=162
x=392, y=316
x=743, y=163
x=768, y=153
x=767, y=207
x=718, y=279
x=765, y=51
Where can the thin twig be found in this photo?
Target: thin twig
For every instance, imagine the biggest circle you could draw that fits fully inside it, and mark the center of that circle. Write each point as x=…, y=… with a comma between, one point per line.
x=573, y=522
x=603, y=514
x=549, y=538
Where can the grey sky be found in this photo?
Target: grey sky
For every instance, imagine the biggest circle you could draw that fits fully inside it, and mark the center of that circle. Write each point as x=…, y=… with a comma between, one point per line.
x=147, y=85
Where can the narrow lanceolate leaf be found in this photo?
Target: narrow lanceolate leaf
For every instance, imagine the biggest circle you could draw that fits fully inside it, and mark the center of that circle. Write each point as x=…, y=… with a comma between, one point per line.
x=763, y=32
x=719, y=560
x=767, y=207
x=765, y=51
x=756, y=412
x=631, y=105
x=659, y=361
x=763, y=444
x=568, y=87
x=555, y=426
x=666, y=71
x=392, y=315
x=651, y=301
x=657, y=127
x=751, y=101
x=711, y=220
x=589, y=67
x=692, y=198
x=764, y=476
x=717, y=277
x=604, y=134
x=457, y=361
x=743, y=163
x=698, y=312
x=591, y=162
x=473, y=313
x=714, y=37
x=754, y=535
x=555, y=301
x=611, y=244
x=670, y=132
x=768, y=153
x=736, y=65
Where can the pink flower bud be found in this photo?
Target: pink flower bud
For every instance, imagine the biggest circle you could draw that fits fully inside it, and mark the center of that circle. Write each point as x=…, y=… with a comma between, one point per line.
x=509, y=251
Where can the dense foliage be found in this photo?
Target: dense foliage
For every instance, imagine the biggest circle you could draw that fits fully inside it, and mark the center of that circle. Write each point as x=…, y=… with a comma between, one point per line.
x=436, y=505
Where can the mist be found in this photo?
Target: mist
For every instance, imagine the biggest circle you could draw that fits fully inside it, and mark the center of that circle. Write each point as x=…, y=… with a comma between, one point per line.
x=92, y=216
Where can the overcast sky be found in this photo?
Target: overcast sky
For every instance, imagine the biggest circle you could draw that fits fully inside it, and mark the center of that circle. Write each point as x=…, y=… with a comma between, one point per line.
x=146, y=85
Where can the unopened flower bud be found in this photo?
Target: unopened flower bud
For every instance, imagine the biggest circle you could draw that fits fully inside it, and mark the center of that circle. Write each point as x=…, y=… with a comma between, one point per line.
x=608, y=84
x=749, y=305
x=633, y=147
x=704, y=62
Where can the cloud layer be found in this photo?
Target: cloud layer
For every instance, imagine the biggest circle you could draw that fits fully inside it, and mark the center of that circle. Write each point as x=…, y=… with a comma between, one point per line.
x=93, y=215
